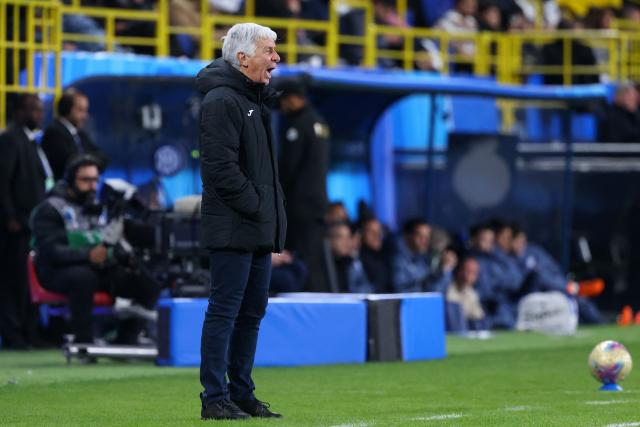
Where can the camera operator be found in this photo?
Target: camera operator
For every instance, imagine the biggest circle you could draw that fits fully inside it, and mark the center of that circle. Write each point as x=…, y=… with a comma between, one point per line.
x=72, y=258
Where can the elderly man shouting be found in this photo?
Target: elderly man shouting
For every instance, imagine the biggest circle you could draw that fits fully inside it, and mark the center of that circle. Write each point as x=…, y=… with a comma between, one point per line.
x=243, y=216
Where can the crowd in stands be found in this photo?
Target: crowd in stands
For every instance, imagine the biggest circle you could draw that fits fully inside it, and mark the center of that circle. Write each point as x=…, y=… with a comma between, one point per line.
x=452, y=16
x=487, y=273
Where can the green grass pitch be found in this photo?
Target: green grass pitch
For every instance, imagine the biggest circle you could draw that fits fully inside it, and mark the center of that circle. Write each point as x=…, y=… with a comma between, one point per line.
x=514, y=379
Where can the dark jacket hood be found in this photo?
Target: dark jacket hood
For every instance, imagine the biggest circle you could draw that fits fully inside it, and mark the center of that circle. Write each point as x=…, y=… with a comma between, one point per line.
x=220, y=73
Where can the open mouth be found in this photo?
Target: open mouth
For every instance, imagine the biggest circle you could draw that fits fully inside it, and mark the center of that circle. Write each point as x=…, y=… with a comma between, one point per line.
x=269, y=70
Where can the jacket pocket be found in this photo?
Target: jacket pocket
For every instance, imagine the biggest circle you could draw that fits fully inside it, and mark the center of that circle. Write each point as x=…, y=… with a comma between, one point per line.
x=266, y=212
x=216, y=230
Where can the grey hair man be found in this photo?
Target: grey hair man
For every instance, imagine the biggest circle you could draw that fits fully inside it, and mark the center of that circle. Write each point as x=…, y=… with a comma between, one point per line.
x=243, y=216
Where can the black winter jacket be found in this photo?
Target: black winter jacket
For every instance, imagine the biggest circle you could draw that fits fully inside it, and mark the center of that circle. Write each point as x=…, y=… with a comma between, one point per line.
x=242, y=201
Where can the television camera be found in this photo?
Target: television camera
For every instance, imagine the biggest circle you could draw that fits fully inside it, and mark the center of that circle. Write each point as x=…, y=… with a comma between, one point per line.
x=161, y=244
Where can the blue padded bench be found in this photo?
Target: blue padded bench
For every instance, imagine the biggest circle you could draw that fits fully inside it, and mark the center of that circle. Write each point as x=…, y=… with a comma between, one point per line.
x=405, y=327
x=295, y=331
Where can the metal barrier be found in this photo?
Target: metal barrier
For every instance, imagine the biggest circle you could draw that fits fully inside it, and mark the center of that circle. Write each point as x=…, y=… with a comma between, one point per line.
x=36, y=28
x=32, y=29
x=109, y=18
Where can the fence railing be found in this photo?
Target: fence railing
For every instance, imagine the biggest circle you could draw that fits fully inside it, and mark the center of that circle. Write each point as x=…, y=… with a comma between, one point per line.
x=35, y=27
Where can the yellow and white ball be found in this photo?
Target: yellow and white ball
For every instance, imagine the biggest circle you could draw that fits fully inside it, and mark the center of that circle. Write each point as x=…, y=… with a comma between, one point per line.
x=610, y=362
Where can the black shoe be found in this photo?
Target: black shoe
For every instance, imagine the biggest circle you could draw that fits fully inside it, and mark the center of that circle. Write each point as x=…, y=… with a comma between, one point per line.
x=257, y=408
x=223, y=410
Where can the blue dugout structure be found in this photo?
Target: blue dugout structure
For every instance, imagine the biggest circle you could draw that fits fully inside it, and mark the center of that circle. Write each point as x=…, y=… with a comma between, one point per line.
x=355, y=103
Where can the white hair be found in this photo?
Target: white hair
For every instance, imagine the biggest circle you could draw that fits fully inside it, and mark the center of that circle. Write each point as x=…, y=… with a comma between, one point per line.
x=244, y=38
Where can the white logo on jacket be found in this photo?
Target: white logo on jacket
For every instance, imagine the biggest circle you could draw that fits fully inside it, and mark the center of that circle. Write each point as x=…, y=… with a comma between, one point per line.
x=250, y=113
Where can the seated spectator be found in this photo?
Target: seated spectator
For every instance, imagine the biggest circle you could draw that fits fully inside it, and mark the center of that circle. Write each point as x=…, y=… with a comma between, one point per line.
x=489, y=17
x=582, y=7
x=292, y=9
x=599, y=18
x=502, y=251
x=440, y=244
x=288, y=273
x=631, y=13
x=522, y=14
x=544, y=274
x=375, y=259
x=349, y=270
x=411, y=268
x=497, y=282
x=72, y=259
x=84, y=25
x=385, y=13
x=135, y=28
x=460, y=20
x=621, y=122
x=336, y=214
x=184, y=13
x=461, y=291
x=582, y=55
x=65, y=137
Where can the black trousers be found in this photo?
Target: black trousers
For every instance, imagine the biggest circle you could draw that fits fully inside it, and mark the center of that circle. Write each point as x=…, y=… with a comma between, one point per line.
x=237, y=304
x=79, y=282
x=305, y=238
x=18, y=317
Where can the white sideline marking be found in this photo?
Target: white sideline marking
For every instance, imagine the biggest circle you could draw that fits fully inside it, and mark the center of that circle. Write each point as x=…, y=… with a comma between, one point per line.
x=438, y=417
x=634, y=424
x=518, y=408
x=608, y=402
x=353, y=425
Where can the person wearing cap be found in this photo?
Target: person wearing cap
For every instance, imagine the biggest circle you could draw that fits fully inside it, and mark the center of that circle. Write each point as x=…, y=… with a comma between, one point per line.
x=304, y=162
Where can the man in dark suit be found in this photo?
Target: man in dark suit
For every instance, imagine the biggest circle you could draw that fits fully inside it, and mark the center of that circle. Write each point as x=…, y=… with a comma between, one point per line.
x=22, y=187
x=66, y=137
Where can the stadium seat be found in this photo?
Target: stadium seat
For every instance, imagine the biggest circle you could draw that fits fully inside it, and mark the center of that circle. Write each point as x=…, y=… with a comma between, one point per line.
x=39, y=295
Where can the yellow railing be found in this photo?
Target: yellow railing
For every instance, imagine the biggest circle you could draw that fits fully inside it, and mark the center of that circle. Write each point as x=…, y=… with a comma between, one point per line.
x=37, y=28
x=109, y=18
x=288, y=48
x=38, y=35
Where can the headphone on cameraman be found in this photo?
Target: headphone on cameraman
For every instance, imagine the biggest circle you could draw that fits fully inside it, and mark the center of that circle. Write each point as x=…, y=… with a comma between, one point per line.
x=75, y=163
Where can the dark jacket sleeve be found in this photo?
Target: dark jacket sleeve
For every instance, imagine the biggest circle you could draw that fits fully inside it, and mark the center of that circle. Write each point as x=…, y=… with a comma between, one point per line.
x=50, y=238
x=8, y=159
x=220, y=129
x=53, y=145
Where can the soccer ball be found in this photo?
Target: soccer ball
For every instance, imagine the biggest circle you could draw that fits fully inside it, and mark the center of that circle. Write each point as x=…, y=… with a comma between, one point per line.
x=610, y=362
